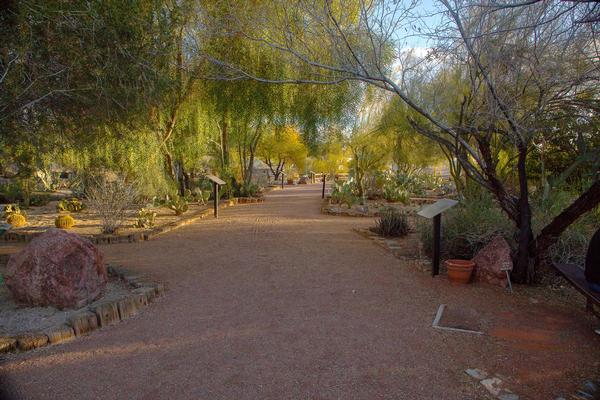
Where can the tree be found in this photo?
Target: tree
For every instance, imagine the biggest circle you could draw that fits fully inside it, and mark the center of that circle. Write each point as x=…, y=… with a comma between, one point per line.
x=283, y=147
x=519, y=62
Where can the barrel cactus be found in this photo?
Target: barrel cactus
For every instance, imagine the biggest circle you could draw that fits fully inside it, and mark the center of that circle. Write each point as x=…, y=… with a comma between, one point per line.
x=16, y=220
x=64, y=221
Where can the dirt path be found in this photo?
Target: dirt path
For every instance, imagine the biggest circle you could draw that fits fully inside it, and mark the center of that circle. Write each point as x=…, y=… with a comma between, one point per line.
x=276, y=301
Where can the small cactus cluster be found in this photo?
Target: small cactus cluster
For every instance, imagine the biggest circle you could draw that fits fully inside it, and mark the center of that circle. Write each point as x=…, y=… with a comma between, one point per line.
x=14, y=216
x=178, y=204
x=145, y=218
x=71, y=205
x=16, y=220
x=65, y=221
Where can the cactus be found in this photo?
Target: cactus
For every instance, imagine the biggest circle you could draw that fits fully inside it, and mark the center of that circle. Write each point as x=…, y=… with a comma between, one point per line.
x=16, y=220
x=11, y=209
x=145, y=218
x=178, y=204
x=71, y=205
x=64, y=221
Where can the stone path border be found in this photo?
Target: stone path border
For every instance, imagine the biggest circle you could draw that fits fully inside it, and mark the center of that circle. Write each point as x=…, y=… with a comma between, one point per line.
x=96, y=316
x=394, y=246
x=140, y=236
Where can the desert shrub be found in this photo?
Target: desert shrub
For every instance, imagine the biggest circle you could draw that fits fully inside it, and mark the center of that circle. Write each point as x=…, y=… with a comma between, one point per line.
x=39, y=199
x=249, y=190
x=467, y=227
x=202, y=195
x=110, y=200
x=344, y=193
x=178, y=204
x=71, y=205
x=394, y=193
x=392, y=223
x=10, y=192
x=145, y=218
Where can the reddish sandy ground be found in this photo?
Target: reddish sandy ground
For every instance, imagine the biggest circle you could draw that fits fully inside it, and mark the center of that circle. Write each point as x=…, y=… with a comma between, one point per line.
x=277, y=301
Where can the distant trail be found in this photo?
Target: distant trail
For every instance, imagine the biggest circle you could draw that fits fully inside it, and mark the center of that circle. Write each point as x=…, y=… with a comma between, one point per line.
x=277, y=301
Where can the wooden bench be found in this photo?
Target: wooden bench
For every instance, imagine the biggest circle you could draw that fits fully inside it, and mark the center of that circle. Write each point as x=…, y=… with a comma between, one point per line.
x=574, y=275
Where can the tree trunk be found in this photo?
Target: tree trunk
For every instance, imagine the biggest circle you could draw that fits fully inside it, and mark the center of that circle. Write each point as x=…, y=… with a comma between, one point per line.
x=523, y=269
x=225, y=141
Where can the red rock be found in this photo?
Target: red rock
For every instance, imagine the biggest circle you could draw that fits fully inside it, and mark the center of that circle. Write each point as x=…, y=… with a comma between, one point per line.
x=57, y=268
x=490, y=260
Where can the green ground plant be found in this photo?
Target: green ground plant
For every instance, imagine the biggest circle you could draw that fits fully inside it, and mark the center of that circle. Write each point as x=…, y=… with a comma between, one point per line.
x=392, y=223
x=344, y=193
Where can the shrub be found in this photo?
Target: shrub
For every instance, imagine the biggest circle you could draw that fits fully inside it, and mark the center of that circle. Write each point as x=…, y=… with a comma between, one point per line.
x=392, y=223
x=71, y=205
x=469, y=226
x=16, y=220
x=39, y=199
x=110, y=201
x=249, y=190
x=145, y=218
x=395, y=194
x=65, y=221
x=10, y=192
x=177, y=204
x=202, y=195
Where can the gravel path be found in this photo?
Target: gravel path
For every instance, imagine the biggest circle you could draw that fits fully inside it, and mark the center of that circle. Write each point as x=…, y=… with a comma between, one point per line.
x=276, y=301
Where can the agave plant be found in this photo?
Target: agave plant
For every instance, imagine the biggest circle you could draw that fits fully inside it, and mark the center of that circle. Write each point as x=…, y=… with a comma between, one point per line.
x=392, y=223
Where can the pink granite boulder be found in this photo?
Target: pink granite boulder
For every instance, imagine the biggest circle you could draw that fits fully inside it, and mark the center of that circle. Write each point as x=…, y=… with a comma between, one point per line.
x=57, y=268
x=490, y=260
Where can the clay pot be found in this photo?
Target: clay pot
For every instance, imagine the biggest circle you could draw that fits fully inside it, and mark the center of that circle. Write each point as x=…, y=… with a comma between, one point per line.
x=460, y=271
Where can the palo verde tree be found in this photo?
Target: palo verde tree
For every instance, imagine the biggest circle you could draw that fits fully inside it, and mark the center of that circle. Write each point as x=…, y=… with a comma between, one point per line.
x=519, y=63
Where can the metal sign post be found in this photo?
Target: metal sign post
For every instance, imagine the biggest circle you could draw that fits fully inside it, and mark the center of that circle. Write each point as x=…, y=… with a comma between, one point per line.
x=216, y=182
x=434, y=211
x=323, y=191
x=282, y=175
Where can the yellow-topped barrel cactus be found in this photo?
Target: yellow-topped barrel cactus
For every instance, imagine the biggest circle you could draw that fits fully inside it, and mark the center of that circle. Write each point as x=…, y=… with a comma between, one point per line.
x=16, y=220
x=64, y=221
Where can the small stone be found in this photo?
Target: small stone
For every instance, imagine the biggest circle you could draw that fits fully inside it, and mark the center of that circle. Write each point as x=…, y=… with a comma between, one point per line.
x=508, y=396
x=492, y=385
x=159, y=288
x=83, y=322
x=140, y=299
x=476, y=373
x=128, y=307
x=32, y=341
x=60, y=334
x=7, y=344
x=149, y=292
x=107, y=313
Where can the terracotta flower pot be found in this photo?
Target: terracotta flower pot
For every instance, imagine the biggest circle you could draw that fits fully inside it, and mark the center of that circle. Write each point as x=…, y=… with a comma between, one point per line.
x=460, y=271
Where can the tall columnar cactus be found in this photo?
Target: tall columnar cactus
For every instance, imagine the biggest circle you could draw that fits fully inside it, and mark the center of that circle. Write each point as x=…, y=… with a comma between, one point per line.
x=64, y=221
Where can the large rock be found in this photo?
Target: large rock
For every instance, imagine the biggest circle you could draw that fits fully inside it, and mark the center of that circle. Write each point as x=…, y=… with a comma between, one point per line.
x=57, y=268
x=490, y=260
